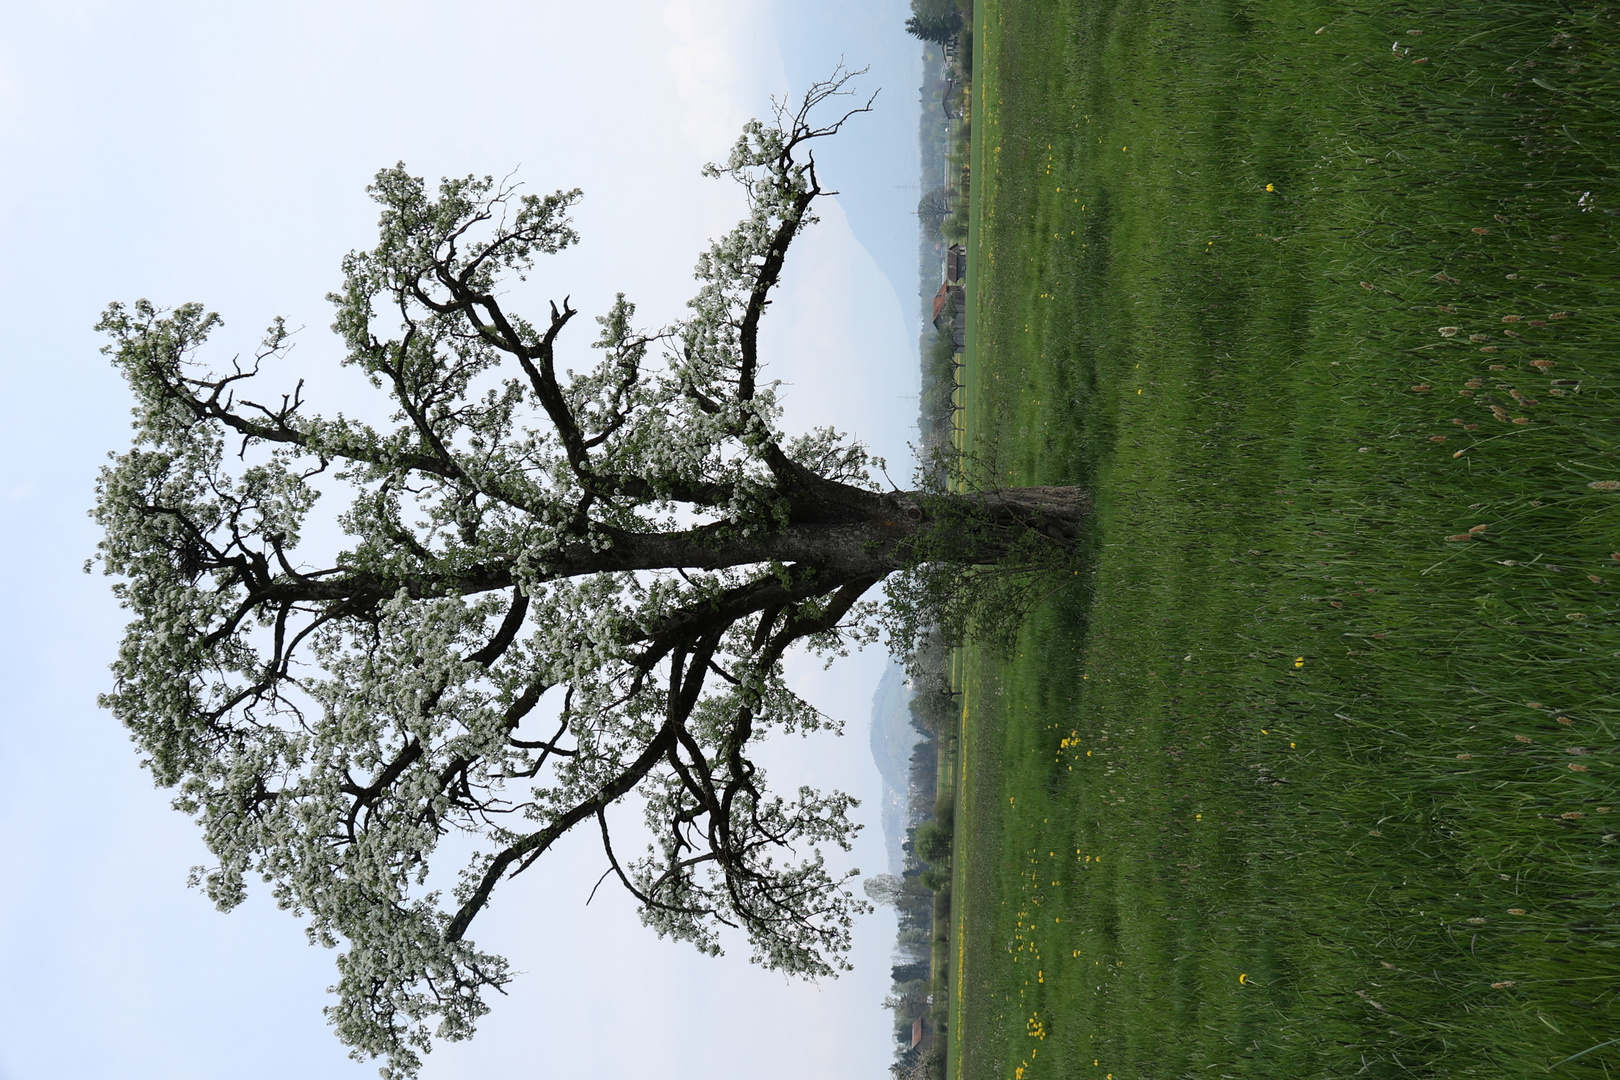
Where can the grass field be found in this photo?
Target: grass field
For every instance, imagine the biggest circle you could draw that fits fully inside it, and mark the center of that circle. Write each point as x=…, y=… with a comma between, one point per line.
x=1311, y=770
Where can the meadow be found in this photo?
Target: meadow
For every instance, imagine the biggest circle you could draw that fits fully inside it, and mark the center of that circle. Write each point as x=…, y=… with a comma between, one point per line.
x=1309, y=768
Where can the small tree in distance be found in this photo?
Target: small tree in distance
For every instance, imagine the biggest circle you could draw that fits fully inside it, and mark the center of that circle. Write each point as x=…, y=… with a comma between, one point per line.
x=558, y=592
x=934, y=20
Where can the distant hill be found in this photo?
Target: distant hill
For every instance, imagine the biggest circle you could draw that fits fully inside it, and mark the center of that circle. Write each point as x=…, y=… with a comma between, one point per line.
x=873, y=162
x=893, y=739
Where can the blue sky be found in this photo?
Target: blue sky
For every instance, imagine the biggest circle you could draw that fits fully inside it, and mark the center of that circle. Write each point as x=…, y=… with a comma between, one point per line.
x=218, y=151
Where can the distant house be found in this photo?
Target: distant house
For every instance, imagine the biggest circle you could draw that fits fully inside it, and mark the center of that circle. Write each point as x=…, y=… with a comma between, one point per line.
x=955, y=264
x=921, y=1033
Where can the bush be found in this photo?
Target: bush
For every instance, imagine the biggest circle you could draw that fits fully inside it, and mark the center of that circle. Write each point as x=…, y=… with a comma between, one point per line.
x=933, y=843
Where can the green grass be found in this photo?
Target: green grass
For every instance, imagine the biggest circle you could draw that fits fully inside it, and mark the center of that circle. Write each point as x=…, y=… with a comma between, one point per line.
x=1289, y=781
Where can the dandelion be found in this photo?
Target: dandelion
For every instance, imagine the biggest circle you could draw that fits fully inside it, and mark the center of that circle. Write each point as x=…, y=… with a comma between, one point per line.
x=1604, y=485
x=1243, y=980
x=1299, y=661
x=1271, y=187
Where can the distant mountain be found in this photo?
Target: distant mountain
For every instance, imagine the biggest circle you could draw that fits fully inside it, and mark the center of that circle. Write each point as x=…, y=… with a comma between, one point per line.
x=893, y=739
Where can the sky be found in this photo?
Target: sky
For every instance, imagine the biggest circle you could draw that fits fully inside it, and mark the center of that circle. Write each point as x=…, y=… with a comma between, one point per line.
x=218, y=151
